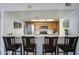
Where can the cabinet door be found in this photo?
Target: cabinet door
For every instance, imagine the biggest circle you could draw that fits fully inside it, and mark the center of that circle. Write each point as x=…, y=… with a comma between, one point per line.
x=50, y=25
x=54, y=25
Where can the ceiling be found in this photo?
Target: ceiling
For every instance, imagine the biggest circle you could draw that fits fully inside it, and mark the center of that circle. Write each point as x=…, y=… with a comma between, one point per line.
x=36, y=6
x=42, y=14
x=26, y=11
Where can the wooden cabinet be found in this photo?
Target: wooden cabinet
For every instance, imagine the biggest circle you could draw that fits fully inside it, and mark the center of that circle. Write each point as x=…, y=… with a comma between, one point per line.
x=49, y=25
x=54, y=25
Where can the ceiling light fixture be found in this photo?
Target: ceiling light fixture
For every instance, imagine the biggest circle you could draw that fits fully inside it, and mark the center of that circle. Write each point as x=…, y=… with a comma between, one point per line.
x=42, y=20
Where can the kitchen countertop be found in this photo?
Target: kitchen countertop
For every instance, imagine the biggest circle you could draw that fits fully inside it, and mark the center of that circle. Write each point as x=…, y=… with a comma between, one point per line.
x=40, y=35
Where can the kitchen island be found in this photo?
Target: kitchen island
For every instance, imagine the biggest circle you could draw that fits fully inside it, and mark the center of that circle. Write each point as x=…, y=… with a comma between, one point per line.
x=39, y=40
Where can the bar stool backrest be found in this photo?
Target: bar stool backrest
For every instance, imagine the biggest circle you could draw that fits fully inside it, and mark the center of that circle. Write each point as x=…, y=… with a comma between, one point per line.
x=28, y=40
x=71, y=41
x=52, y=41
x=9, y=41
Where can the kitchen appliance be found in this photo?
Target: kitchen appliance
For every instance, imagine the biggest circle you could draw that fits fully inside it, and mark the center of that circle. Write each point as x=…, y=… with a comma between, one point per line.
x=43, y=29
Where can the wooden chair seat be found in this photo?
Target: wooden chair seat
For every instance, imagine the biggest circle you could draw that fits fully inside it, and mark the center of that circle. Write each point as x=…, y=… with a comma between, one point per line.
x=47, y=48
x=30, y=47
x=66, y=48
x=14, y=47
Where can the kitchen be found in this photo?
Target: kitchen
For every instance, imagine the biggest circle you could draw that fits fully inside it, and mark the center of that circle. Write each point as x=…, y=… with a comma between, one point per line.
x=42, y=27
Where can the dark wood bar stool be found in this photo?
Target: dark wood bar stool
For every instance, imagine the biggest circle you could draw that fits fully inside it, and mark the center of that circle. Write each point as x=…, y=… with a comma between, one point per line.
x=10, y=45
x=68, y=46
x=49, y=45
x=29, y=44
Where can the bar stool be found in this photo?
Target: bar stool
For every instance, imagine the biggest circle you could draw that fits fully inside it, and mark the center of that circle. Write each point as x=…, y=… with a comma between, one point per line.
x=10, y=45
x=49, y=45
x=68, y=46
x=29, y=44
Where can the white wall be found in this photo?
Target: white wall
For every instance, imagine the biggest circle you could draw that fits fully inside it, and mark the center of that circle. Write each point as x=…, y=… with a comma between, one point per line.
x=0, y=32
x=73, y=22
x=8, y=25
x=73, y=25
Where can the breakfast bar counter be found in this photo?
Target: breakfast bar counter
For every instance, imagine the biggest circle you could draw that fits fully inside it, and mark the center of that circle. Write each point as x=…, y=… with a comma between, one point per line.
x=39, y=40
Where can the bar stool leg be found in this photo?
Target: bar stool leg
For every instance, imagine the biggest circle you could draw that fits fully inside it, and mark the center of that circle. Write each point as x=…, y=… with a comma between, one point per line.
x=12, y=52
x=21, y=50
x=6, y=52
x=57, y=51
x=15, y=52
x=26, y=52
x=74, y=53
